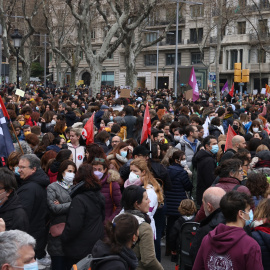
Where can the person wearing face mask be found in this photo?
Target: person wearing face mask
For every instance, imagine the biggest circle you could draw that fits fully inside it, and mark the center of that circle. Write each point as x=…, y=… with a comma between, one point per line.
x=228, y=244
x=26, y=111
x=180, y=186
x=11, y=210
x=58, y=200
x=84, y=223
x=19, y=251
x=215, y=128
x=119, y=155
x=110, y=187
x=206, y=164
x=103, y=140
x=256, y=126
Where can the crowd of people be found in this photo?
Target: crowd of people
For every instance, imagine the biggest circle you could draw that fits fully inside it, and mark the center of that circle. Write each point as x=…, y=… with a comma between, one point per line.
x=62, y=199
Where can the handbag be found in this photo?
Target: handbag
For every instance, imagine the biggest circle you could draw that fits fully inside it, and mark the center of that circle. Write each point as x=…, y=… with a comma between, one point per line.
x=57, y=229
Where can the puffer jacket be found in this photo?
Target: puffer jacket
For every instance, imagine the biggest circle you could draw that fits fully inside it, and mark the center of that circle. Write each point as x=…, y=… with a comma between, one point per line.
x=58, y=213
x=78, y=154
x=185, y=146
x=228, y=183
x=111, y=199
x=180, y=184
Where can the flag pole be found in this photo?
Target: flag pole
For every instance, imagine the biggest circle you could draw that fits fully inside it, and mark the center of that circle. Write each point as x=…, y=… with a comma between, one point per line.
x=16, y=137
x=150, y=146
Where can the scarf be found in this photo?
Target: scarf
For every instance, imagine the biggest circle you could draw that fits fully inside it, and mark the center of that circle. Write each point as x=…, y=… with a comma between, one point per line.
x=63, y=184
x=262, y=229
x=139, y=214
x=228, y=116
x=263, y=163
x=130, y=257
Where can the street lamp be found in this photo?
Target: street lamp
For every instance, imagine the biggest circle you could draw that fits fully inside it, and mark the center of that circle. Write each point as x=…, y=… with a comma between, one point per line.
x=17, y=41
x=176, y=40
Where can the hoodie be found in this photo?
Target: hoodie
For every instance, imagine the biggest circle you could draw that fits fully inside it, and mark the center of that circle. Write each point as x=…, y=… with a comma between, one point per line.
x=228, y=247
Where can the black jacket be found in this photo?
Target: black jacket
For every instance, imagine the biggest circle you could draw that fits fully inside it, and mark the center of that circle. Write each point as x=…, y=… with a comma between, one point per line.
x=127, y=258
x=207, y=225
x=213, y=130
x=71, y=118
x=84, y=224
x=33, y=197
x=206, y=165
x=13, y=214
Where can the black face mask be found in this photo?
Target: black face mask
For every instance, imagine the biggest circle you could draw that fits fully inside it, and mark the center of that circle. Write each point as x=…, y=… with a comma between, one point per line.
x=235, y=127
x=64, y=146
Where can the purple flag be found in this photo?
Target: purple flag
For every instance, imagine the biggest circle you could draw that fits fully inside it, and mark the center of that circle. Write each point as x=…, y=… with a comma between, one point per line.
x=225, y=87
x=193, y=83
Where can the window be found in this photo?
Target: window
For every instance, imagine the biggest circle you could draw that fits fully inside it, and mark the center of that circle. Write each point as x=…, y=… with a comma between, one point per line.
x=264, y=4
x=196, y=35
x=150, y=60
x=261, y=56
x=249, y=56
x=110, y=56
x=4, y=59
x=170, y=38
x=263, y=28
x=150, y=37
x=197, y=11
x=196, y=58
x=221, y=57
x=107, y=78
x=81, y=55
x=93, y=34
x=233, y=58
x=170, y=59
x=241, y=26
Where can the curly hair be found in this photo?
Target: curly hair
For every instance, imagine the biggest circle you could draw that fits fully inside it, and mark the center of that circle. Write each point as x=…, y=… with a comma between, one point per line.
x=187, y=207
x=257, y=184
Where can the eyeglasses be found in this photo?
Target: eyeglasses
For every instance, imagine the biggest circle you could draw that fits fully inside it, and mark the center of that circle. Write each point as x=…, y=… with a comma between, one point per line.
x=100, y=159
x=241, y=171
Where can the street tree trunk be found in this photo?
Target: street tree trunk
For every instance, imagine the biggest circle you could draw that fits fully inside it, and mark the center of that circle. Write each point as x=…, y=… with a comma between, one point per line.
x=131, y=73
x=73, y=71
x=96, y=71
x=25, y=75
x=12, y=69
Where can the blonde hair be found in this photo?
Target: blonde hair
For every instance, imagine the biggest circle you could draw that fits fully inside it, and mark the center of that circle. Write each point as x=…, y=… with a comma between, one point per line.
x=141, y=164
x=261, y=148
x=262, y=210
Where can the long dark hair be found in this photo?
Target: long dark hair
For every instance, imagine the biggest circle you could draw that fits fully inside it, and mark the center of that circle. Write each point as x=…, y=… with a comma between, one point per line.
x=86, y=173
x=121, y=231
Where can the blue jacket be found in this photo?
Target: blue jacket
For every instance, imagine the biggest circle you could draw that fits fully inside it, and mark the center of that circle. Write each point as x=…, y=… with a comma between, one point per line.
x=263, y=240
x=180, y=184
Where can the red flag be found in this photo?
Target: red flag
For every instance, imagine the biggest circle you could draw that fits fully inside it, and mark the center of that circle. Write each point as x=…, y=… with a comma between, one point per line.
x=231, y=133
x=4, y=108
x=146, y=131
x=231, y=91
x=88, y=131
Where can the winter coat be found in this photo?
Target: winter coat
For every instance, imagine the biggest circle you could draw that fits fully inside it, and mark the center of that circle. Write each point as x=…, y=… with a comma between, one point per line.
x=103, y=146
x=206, y=165
x=127, y=258
x=113, y=199
x=208, y=224
x=13, y=214
x=84, y=223
x=263, y=239
x=227, y=155
x=78, y=154
x=186, y=146
x=58, y=213
x=71, y=118
x=144, y=247
x=47, y=127
x=229, y=247
x=130, y=123
x=53, y=147
x=33, y=197
x=214, y=130
x=98, y=118
x=180, y=184
x=30, y=122
x=228, y=183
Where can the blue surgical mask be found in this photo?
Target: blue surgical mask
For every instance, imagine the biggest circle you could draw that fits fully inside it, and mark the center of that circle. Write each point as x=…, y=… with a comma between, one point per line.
x=37, y=108
x=214, y=149
x=211, y=118
x=248, y=222
x=16, y=170
x=111, y=118
x=29, y=266
x=123, y=153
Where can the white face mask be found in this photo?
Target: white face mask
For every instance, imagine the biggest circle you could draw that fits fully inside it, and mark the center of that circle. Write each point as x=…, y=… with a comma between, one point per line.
x=68, y=178
x=133, y=177
x=183, y=163
x=255, y=129
x=177, y=138
x=108, y=143
x=53, y=122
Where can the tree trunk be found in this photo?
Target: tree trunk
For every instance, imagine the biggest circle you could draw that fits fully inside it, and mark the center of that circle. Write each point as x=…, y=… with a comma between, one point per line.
x=12, y=69
x=96, y=70
x=25, y=75
x=131, y=73
x=73, y=71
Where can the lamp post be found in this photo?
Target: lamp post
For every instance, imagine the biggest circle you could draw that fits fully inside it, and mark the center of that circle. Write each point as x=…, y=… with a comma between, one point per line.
x=17, y=41
x=176, y=40
x=52, y=72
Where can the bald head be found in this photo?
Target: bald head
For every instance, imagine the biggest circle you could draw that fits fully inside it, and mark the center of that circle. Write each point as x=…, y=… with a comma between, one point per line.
x=211, y=199
x=115, y=141
x=238, y=142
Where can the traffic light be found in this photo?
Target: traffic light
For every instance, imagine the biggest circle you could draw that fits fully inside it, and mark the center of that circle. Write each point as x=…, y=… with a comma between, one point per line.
x=245, y=75
x=237, y=72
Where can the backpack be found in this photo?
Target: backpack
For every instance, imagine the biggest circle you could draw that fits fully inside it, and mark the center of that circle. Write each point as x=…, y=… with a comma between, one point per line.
x=91, y=263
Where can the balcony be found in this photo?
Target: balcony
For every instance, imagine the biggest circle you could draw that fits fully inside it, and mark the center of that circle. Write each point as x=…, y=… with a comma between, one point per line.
x=168, y=43
x=241, y=38
x=256, y=68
